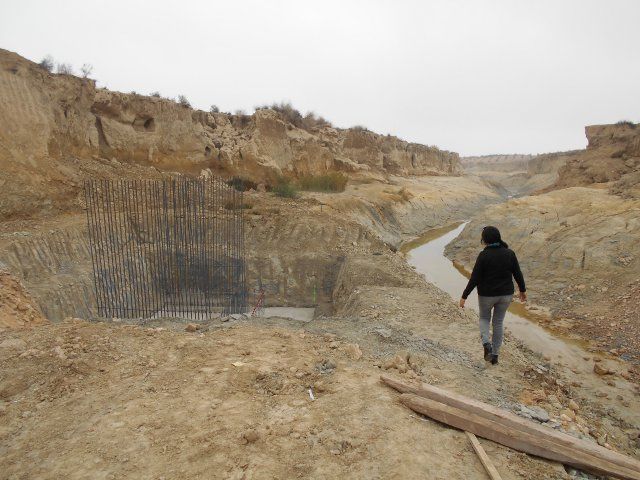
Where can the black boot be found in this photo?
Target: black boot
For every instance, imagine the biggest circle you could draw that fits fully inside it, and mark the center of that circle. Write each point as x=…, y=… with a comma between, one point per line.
x=487, y=351
x=494, y=359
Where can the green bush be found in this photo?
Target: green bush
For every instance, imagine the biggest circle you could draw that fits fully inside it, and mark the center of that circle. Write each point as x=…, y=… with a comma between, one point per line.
x=330, y=182
x=285, y=188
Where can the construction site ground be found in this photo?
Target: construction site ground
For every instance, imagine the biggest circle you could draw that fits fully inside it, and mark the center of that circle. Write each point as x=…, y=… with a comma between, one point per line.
x=233, y=399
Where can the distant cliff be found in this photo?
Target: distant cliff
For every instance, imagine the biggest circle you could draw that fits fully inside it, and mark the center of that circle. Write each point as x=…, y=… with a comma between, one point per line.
x=503, y=163
x=612, y=155
x=56, y=130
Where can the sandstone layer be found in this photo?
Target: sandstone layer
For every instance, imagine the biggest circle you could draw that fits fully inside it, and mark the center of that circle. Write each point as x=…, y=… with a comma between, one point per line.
x=517, y=175
x=612, y=155
x=57, y=130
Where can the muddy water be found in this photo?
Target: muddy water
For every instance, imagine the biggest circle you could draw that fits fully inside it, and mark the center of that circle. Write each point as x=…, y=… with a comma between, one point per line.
x=426, y=254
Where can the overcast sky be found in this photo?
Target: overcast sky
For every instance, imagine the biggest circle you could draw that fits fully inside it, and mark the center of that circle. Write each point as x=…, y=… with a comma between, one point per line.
x=475, y=76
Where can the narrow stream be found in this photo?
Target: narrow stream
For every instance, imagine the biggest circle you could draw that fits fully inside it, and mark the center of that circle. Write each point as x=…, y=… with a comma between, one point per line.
x=426, y=254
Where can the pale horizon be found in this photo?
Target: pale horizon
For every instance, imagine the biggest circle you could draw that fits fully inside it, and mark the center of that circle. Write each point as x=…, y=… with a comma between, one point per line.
x=477, y=78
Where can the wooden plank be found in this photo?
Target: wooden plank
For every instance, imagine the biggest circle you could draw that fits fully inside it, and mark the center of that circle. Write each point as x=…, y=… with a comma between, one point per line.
x=511, y=420
x=484, y=458
x=516, y=439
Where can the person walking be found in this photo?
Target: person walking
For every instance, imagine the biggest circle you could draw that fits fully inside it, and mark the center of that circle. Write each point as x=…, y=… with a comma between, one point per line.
x=492, y=274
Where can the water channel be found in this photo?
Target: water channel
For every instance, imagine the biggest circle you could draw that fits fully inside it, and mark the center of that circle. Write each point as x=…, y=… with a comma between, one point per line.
x=426, y=254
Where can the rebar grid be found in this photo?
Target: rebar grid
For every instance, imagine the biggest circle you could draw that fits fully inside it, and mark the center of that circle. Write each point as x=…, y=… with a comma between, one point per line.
x=166, y=248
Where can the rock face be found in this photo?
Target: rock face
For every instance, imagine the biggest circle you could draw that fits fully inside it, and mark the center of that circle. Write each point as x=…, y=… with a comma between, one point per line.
x=57, y=130
x=505, y=163
x=612, y=155
x=517, y=175
x=17, y=308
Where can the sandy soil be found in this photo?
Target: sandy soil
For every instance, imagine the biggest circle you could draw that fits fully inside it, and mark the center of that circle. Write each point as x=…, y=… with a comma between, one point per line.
x=99, y=401
x=231, y=400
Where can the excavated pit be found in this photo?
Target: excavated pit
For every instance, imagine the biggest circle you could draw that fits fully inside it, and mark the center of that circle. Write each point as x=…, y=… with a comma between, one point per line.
x=54, y=263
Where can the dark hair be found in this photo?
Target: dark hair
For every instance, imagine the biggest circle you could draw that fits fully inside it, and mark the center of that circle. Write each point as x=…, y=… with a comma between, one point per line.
x=492, y=235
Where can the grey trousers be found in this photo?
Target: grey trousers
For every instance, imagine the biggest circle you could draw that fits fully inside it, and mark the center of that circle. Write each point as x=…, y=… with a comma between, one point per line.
x=499, y=307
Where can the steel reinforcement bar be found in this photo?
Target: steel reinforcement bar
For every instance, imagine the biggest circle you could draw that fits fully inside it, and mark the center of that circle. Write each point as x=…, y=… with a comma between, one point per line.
x=166, y=248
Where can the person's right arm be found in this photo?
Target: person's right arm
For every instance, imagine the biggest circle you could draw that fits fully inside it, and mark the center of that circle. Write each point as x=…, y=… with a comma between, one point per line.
x=473, y=280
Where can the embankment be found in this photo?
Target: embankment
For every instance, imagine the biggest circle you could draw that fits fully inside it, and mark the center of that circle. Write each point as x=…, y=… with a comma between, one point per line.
x=579, y=243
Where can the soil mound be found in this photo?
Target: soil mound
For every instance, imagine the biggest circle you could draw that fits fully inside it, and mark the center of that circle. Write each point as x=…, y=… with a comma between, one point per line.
x=17, y=309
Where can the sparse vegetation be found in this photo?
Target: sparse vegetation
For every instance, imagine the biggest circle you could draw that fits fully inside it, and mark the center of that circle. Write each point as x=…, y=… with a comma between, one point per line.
x=240, y=119
x=359, y=128
x=214, y=109
x=330, y=182
x=626, y=123
x=64, y=69
x=155, y=94
x=293, y=116
x=234, y=206
x=182, y=100
x=47, y=63
x=87, y=69
x=284, y=187
x=242, y=184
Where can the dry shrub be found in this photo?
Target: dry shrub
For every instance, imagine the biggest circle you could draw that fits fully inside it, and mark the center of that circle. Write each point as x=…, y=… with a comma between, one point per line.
x=293, y=116
x=242, y=184
x=329, y=182
x=240, y=119
x=182, y=100
x=47, y=63
x=64, y=69
x=626, y=123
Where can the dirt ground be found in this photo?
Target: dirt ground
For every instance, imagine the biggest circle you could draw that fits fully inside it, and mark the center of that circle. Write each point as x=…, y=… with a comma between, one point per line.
x=231, y=400
x=88, y=400
x=82, y=399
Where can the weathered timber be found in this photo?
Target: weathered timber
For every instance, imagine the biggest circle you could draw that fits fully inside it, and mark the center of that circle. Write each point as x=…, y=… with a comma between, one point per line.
x=484, y=458
x=512, y=421
x=519, y=440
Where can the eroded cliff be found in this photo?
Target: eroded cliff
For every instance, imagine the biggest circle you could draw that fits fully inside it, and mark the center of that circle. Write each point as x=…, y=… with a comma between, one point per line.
x=612, y=155
x=56, y=130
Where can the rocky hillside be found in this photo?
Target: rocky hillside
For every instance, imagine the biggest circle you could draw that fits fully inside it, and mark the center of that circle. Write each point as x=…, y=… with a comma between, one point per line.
x=612, y=155
x=579, y=243
x=517, y=175
x=55, y=130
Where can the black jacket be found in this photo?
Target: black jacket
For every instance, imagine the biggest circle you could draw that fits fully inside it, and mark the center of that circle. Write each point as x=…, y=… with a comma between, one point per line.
x=493, y=271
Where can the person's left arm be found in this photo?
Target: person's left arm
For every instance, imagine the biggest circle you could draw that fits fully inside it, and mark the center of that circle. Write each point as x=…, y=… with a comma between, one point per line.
x=517, y=274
